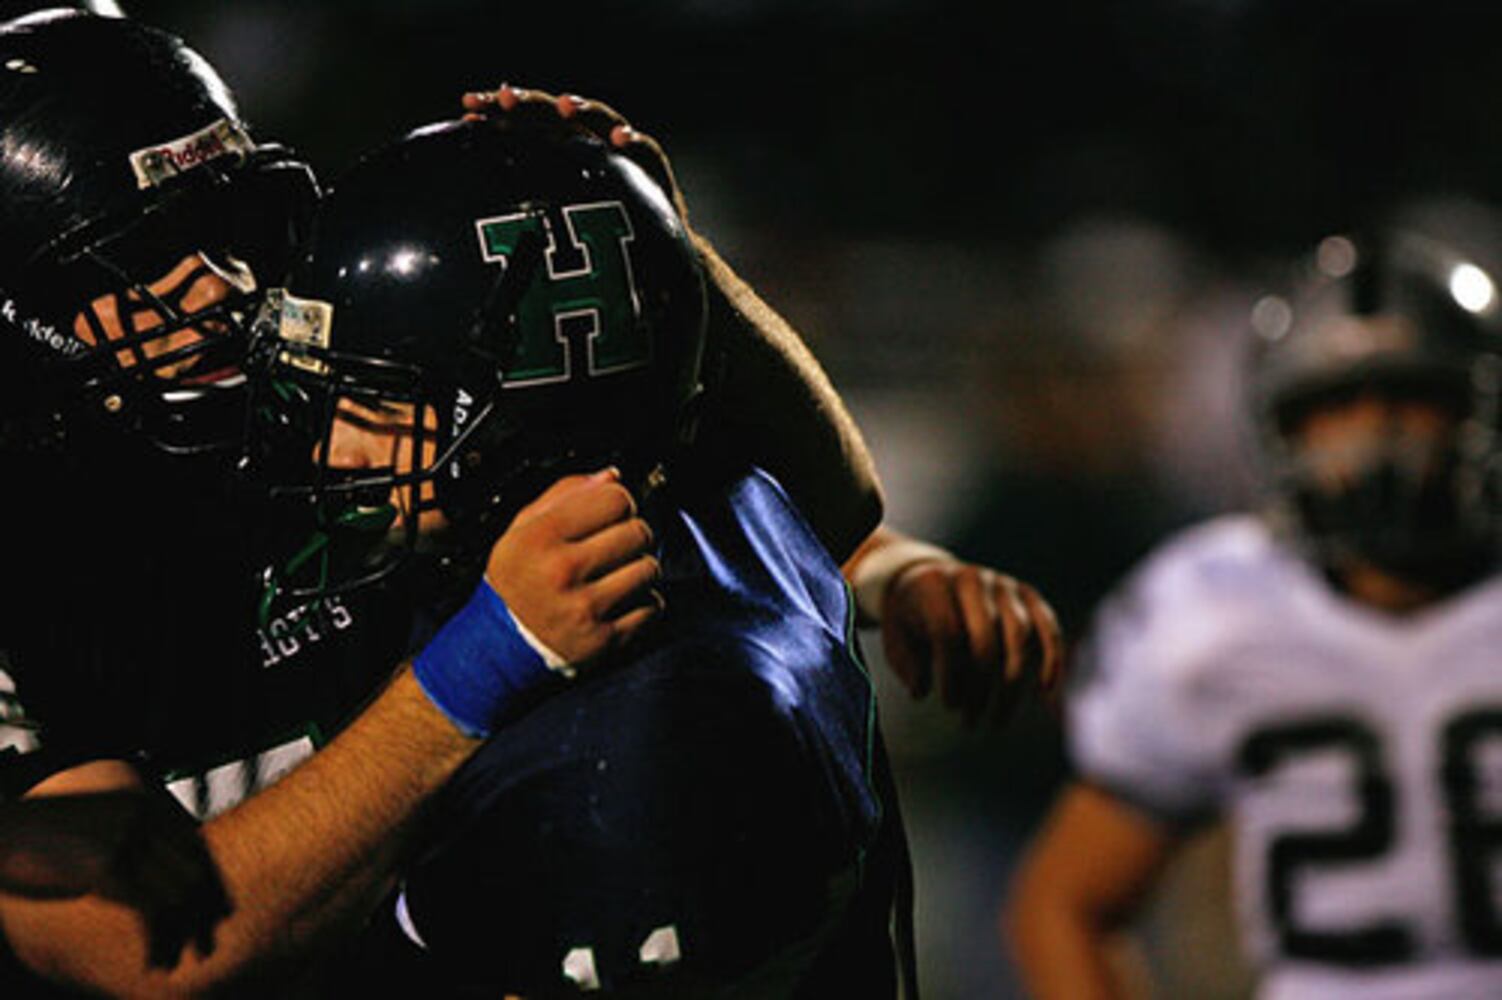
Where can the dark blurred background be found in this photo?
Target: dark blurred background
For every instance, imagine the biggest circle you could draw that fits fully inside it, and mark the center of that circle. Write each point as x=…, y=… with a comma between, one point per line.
x=1244, y=122
x=1024, y=239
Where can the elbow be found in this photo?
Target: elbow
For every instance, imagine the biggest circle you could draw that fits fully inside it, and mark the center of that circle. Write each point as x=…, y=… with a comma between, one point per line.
x=118, y=968
x=186, y=982
x=1023, y=917
x=1041, y=911
x=864, y=517
x=871, y=509
x=844, y=527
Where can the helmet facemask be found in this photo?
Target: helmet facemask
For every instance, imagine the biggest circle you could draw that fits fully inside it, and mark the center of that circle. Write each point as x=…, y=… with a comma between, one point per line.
x=1375, y=397
x=336, y=444
x=1412, y=503
x=145, y=323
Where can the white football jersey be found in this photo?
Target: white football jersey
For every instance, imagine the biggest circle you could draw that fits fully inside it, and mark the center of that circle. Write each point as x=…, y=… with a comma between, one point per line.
x=1356, y=754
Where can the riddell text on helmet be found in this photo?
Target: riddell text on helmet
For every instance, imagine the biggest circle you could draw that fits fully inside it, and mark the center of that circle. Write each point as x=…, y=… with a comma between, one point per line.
x=42, y=333
x=156, y=164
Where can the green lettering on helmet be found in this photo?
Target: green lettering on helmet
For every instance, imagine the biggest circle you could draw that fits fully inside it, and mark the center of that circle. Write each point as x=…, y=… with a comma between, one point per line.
x=584, y=295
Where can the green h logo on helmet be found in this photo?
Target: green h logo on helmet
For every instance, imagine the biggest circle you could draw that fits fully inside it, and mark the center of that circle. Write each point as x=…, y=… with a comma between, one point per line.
x=588, y=295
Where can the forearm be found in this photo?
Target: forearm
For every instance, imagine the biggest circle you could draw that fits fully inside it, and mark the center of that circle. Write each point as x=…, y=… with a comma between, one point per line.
x=293, y=860
x=330, y=832
x=1064, y=952
x=21, y=873
x=1079, y=885
x=779, y=408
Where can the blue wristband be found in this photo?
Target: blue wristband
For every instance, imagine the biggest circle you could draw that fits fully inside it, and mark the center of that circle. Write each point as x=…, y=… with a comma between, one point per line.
x=478, y=663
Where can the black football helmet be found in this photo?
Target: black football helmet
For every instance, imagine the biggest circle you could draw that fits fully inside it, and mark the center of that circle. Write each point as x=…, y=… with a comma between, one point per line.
x=122, y=155
x=527, y=297
x=11, y=9
x=1406, y=316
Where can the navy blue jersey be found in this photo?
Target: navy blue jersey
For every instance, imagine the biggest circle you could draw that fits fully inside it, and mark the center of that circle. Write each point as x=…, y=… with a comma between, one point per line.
x=712, y=813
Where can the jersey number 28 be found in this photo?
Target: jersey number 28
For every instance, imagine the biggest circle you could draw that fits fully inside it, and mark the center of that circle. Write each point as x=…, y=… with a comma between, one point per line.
x=1473, y=838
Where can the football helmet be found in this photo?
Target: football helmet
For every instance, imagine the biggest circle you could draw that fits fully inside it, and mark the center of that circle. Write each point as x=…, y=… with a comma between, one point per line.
x=10, y=9
x=525, y=301
x=126, y=177
x=1405, y=316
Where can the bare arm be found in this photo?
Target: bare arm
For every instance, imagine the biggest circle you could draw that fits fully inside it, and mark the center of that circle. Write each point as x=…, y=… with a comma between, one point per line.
x=130, y=844
x=311, y=837
x=137, y=848
x=777, y=407
x=1083, y=878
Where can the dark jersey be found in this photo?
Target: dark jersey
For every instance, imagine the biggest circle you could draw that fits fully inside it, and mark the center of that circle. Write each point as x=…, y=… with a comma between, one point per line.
x=200, y=694
x=144, y=644
x=712, y=815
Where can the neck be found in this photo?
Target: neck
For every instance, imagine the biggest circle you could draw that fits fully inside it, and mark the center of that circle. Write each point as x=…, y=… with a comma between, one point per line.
x=1383, y=590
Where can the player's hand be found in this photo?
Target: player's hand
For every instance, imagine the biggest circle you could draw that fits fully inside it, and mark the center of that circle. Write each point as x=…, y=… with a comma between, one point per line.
x=138, y=848
x=595, y=117
x=576, y=566
x=979, y=637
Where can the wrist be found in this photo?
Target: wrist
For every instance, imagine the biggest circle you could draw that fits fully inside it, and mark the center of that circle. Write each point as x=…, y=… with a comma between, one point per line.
x=481, y=661
x=872, y=577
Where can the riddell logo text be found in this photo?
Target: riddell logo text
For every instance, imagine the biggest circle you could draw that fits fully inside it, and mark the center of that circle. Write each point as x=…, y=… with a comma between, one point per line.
x=42, y=333
x=157, y=164
x=199, y=151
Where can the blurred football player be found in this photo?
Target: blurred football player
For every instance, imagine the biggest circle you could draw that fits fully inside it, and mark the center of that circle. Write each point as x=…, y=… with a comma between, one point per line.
x=1322, y=676
x=140, y=219
x=483, y=307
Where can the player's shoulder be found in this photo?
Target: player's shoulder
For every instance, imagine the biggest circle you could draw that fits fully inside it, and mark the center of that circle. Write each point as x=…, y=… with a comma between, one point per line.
x=758, y=481
x=762, y=508
x=1231, y=558
x=706, y=672
x=740, y=555
x=1198, y=592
